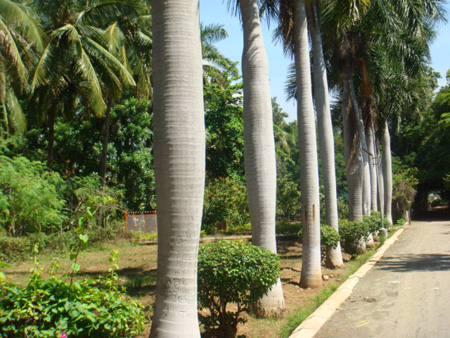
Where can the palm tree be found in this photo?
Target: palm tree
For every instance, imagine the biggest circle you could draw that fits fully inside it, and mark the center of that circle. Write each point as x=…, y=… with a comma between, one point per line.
x=128, y=38
x=311, y=274
x=325, y=129
x=401, y=47
x=293, y=31
x=343, y=40
x=74, y=61
x=216, y=67
x=179, y=156
x=21, y=39
x=259, y=146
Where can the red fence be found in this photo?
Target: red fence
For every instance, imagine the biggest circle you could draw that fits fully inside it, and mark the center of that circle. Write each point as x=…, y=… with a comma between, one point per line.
x=146, y=223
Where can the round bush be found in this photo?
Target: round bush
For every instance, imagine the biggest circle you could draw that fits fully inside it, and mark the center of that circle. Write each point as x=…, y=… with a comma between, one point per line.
x=233, y=272
x=352, y=234
x=329, y=238
x=374, y=221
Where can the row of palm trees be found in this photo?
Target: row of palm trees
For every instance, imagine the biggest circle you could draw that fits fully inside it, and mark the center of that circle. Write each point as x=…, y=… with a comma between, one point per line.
x=61, y=55
x=359, y=35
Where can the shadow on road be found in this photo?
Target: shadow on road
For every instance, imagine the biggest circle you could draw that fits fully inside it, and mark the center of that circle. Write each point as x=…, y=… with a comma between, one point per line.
x=421, y=262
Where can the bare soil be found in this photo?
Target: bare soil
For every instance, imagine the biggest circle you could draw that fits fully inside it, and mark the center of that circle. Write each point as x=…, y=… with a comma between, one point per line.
x=138, y=273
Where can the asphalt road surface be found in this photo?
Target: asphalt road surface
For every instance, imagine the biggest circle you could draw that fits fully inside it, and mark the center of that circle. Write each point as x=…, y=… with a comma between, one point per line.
x=406, y=294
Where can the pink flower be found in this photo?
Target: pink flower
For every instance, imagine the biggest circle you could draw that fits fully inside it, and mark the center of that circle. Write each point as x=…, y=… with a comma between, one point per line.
x=96, y=312
x=63, y=335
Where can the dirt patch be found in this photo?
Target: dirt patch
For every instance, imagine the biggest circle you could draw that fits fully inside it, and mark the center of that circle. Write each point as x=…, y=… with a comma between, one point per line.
x=138, y=273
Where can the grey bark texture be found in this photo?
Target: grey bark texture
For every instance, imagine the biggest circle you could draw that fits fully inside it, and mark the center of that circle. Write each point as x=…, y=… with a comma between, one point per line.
x=311, y=274
x=259, y=146
x=179, y=153
x=380, y=176
x=353, y=152
x=372, y=166
x=387, y=171
x=325, y=132
x=361, y=138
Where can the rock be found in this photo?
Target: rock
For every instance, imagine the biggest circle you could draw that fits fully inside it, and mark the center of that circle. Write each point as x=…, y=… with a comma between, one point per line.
x=369, y=299
x=325, y=278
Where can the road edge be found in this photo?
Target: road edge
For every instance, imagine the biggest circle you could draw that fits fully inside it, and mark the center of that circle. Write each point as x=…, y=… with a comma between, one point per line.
x=311, y=325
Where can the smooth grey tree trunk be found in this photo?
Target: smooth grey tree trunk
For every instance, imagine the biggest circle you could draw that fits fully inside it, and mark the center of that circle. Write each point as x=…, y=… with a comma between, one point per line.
x=380, y=183
x=353, y=156
x=325, y=132
x=179, y=150
x=372, y=166
x=311, y=274
x=387, y=171
x=259, y=146
x=361, y=138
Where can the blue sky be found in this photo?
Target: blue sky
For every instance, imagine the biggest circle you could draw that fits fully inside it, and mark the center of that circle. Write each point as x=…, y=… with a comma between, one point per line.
x=215, y=11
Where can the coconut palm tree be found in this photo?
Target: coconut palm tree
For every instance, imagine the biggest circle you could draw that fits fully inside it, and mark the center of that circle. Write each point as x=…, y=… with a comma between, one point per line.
x=22, y=39
x=216, y=67
x=73, y=59
x=179, y=156
x=128, y=37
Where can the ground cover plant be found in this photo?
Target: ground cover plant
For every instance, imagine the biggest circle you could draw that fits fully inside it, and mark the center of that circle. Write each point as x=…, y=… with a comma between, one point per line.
x=60, y=306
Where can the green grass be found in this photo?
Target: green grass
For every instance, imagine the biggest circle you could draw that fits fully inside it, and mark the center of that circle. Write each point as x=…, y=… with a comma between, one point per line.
x=301, y=314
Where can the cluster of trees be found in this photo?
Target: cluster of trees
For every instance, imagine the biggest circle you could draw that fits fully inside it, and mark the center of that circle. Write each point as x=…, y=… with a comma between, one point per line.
x=122, y=98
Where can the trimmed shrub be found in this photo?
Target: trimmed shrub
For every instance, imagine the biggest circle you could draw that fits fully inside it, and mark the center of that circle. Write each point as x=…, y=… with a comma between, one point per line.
x=374, y=221
x=329, y=238
x=352, y=235
x=233, y=272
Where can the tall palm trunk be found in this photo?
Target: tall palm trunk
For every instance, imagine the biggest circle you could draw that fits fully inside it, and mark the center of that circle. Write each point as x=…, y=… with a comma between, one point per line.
x=353, y=156
x=380, y=182
x=387, y=171
x=365, y=172
x=104, y=156
x=311, y=275
x=325, y=131
x=179, y=150
x=259, y=146
x=105, y=140
x=372, y=166
x=51, y=134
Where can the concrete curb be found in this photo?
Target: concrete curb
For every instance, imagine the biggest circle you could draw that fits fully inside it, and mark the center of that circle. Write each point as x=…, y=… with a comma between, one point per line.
x=311, y=325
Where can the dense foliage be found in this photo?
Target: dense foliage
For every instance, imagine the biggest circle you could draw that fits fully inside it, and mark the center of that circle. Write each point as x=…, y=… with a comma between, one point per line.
x=353, y=235
x=29, y=196
x=54, y=307
x=225, y=201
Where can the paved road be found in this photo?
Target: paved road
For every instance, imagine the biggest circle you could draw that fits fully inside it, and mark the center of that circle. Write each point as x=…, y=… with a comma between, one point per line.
x=406, y=294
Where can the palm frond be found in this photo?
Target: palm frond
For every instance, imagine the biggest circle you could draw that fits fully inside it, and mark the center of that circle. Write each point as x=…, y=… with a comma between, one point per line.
x=124, y=74
x=15, y=113
x=22, y=18
x=8, y=44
